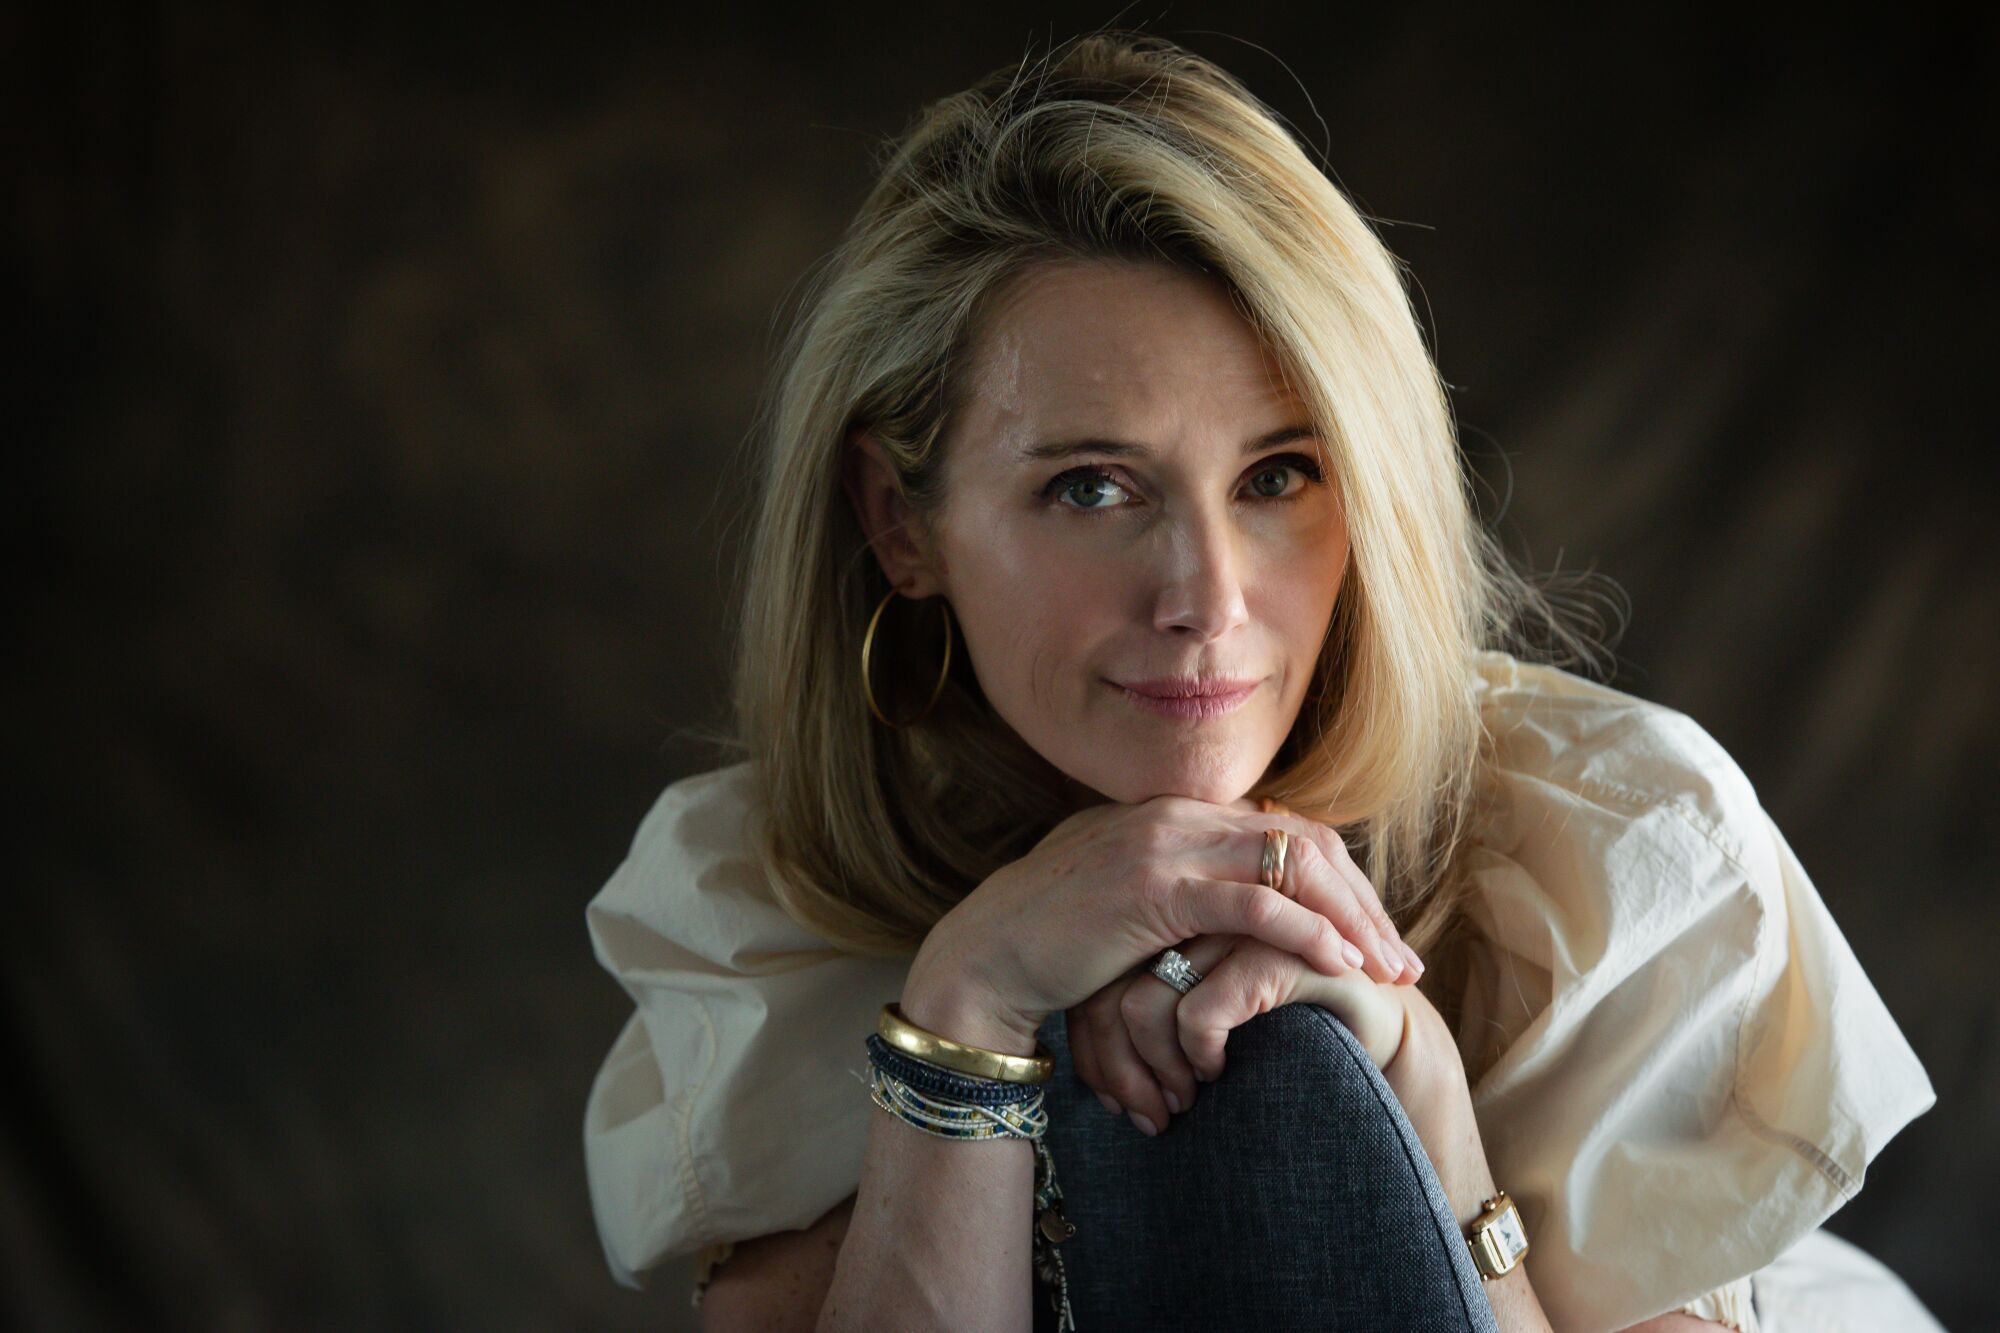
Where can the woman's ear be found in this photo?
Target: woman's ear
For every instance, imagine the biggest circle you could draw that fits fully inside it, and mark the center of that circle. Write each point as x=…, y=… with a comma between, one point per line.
x=891, y=527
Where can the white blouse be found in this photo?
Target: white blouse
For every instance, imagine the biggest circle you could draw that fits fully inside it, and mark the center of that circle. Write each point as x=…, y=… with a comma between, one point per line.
x=1678, y=1067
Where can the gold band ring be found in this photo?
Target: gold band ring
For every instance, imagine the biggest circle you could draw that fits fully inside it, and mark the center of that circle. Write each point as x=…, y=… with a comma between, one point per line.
x=1276, y=840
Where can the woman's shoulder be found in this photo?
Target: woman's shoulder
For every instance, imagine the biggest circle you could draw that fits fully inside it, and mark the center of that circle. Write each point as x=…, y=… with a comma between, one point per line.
x=718, y=1113
x=701, y=813
x=692, y=879
x=1612, y=839
x=1558, y=739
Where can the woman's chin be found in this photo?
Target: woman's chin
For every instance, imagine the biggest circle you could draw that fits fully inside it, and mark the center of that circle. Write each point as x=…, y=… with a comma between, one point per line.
x=1224, y=788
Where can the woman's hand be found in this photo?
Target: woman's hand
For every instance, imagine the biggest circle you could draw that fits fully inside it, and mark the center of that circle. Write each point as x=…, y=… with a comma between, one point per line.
x=1398, y=1026
x=1139, y=1044
x=1113, y=885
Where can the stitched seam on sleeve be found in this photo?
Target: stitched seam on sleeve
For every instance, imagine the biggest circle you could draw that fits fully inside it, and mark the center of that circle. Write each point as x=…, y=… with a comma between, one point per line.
x=1805, y=1148
x=1716, y=835
x=1404, y=1134
x=704, y=1228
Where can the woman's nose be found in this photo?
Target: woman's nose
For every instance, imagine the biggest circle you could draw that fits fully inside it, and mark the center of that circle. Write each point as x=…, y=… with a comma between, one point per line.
x=1201, y=588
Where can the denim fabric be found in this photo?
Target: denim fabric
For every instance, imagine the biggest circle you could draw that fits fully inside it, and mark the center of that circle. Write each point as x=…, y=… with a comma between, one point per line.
x=1293, y=1194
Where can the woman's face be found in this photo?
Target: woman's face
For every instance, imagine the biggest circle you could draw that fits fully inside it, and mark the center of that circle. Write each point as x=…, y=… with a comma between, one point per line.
x=1133, y=511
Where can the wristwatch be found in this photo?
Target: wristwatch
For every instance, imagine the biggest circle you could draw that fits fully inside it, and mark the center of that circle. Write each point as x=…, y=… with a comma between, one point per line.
x=1497, y=1238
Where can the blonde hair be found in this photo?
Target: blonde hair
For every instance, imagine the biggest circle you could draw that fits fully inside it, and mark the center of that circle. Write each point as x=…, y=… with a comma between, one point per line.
x=1118, y=146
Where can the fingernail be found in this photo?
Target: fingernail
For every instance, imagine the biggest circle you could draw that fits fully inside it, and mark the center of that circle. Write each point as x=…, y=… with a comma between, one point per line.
x=1415, y=961
x=1145, y=1125
x=1353, y=955
x=1173, y=1103
x=1109, y=1104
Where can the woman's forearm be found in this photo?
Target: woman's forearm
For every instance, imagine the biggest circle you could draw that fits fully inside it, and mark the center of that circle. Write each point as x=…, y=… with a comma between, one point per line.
x=1429, y=1079
x=940, y=1236
x=1452, y=1140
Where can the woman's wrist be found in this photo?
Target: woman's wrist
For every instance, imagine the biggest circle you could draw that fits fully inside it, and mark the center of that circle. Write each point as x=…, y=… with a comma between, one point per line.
x=1428, y=1078
x=954, y=1006
x=1426, y=1070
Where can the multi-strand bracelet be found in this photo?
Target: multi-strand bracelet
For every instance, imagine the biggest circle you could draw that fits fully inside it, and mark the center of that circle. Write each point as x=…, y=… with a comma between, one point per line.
x=967, y=1092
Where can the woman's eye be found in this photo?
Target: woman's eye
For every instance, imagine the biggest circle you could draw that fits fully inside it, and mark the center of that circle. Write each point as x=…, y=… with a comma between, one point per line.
x=1271, y=482
x=1303, y=464
x=1086, y=486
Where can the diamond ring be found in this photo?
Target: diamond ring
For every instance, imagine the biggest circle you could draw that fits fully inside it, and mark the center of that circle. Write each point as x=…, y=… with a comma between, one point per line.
x=1175, y=970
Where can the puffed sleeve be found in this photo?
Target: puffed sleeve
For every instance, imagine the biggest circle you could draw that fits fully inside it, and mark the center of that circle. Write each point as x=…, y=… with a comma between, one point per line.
x=734, y=1102
x=1679, y=1068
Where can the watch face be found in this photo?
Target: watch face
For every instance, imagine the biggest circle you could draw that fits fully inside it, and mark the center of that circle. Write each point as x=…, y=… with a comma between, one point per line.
x=1507, y=1230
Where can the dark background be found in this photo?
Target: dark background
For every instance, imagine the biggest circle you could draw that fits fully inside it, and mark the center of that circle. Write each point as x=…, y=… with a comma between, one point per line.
x=377, y=482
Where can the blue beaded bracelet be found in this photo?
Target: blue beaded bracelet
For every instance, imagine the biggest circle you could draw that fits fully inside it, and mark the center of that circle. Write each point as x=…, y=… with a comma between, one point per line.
x=939, y=1081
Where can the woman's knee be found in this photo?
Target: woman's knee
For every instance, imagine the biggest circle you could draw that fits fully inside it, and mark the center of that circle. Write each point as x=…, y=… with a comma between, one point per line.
x=1294, y=1183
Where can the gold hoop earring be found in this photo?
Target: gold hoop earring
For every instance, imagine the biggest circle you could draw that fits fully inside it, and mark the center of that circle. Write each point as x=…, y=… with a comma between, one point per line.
x=867, y=650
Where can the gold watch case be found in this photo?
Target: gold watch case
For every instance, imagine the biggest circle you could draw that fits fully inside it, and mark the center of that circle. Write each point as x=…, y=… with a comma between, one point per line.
x=1497, y=1237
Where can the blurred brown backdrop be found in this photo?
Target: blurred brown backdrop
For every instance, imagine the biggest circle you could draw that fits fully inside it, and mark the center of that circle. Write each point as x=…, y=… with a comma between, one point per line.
x=383, y=381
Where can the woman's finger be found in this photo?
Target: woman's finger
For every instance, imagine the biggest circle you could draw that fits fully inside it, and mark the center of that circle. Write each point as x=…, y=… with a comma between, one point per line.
x=1128, y=1079
x=1330, y=845
x=1314, y=877
x=1147, y=1007
x=1255, y=979
x=1083, y=1058
x=1193, y=906
x=1334, y=848
x=1317, y=883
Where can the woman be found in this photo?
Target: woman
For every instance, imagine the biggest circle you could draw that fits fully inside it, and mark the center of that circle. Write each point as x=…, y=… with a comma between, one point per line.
x=1189, y=712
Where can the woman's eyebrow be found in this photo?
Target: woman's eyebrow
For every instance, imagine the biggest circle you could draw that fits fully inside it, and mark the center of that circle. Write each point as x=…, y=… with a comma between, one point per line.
x=1036, y=453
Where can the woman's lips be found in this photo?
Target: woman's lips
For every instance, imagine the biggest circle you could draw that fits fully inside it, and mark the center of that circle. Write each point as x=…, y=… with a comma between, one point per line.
x=1174, y=700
